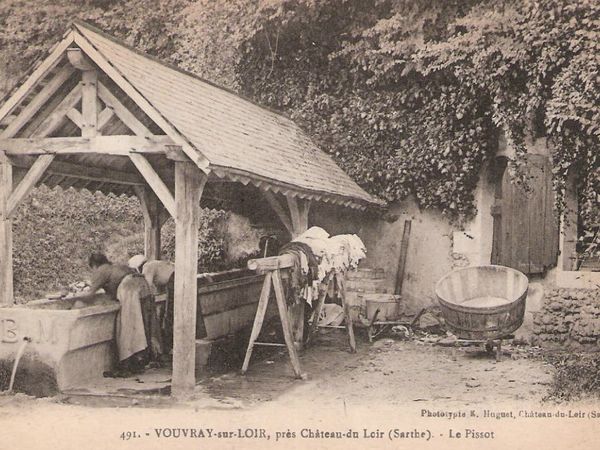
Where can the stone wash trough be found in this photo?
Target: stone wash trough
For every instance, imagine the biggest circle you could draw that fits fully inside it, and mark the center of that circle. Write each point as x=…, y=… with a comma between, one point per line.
x=64, y=347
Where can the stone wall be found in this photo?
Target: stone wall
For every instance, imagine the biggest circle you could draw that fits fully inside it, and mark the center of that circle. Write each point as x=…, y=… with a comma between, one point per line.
x=570, y=318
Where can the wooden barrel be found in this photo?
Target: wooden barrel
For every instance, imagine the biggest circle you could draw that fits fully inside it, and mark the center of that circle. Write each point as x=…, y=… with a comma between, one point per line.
x=359, y=283
x=483, y=302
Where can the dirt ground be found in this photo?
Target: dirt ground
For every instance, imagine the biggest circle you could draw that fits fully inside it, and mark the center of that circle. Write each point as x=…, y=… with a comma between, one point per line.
x=388, y=382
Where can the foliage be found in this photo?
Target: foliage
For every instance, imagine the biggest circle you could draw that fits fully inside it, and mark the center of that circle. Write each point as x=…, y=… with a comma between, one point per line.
x=55, y=230
x=577, y=376
x=409, y=96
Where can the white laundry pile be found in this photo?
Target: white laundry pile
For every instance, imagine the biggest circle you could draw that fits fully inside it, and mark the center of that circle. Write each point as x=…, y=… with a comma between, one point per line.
x=337, y=253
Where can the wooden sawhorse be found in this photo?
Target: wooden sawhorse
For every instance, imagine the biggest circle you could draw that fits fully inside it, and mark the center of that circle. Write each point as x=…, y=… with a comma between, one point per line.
x=338, y=279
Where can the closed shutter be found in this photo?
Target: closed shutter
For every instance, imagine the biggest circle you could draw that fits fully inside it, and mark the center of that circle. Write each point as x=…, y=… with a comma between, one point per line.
x=525, y=226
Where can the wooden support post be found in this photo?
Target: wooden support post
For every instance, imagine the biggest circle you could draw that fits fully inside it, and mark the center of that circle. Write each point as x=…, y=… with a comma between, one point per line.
x=189, y=184
x=89, y=98
x=151, y=212
x=6, y=260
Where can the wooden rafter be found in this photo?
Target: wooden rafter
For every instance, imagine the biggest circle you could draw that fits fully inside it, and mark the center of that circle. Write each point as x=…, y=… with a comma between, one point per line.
x=76, y=171
x=75, y=117
x=58, y=115
x=155, y=181
x=38, y=74
x=109, y=145
x=104, y=117
x=126, y=116
x=37, y=102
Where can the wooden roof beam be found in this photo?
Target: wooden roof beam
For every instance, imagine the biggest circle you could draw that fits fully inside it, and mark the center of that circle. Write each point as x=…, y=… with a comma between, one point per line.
x=33, y=175
x=91, y=173
x=108, y=145
x=155, y=182
x=38, y=74
x=37, y=102
x=53, y=121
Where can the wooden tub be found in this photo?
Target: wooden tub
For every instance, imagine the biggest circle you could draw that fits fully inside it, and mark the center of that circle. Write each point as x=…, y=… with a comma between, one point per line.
x=483, y=302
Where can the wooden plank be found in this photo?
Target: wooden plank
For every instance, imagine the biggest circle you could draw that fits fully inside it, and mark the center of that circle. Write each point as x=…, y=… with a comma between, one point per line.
x=285, y=325
x=52, y=122
x=6, y=243
x=263, y=302
x=83, y=172
x=104, y=117
x=402, y=257
x=323, y=288
x=189, y=184
x=535, y=201
x=28, y=182
x=109, y=145
x=89, y=98
x=271, y=263
x=38, y=74
x=304, y=211
x=279, y=210
x=155, y=182
x=37, y=102
x=75, y=117
x=150, y=211
x=295, y=216
x=194, y=154
x=126, y=116
x=339, y=278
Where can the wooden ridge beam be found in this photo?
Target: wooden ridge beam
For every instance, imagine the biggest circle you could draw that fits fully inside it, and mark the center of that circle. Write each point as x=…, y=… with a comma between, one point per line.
x=77, y=171
x=156, y=183
x=109, y=145
x=37, y=102
x=33, y=175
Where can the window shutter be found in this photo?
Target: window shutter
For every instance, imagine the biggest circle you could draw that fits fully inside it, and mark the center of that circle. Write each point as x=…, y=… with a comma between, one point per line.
x=526, y=229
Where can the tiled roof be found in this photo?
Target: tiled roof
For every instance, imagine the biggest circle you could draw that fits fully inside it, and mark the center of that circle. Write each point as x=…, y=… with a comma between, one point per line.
x=232, y=133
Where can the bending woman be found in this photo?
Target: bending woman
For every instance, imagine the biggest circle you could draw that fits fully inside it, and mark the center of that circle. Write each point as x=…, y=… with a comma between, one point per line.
x=137, y=333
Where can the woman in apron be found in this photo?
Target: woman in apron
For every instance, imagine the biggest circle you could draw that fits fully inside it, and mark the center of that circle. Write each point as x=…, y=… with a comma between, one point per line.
x=137, y=333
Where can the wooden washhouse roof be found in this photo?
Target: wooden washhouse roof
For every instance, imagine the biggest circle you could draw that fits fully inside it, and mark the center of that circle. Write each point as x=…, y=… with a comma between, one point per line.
x=160, y=112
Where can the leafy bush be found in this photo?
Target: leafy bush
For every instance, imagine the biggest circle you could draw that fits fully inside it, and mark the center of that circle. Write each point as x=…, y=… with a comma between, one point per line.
x=55, y=230
x=577, y=376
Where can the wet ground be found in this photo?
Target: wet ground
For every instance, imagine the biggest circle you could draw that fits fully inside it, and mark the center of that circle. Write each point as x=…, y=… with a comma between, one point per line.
x=388, y=371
